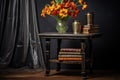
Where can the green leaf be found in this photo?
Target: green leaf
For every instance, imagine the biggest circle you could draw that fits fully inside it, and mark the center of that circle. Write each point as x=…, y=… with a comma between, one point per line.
x=58, y=1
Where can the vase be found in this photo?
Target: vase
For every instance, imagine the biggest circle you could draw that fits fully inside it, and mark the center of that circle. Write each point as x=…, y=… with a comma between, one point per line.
x=76, y=27
x=61, y=26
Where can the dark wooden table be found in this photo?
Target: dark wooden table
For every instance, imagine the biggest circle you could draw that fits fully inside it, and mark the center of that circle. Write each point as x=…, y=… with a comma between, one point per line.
x=82, y=37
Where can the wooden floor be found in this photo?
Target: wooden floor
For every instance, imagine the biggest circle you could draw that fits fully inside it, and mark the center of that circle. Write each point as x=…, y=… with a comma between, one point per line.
x=28, y=74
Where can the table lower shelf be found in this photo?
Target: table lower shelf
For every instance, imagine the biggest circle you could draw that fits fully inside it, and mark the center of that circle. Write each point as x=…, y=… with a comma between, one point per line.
x=66, y=62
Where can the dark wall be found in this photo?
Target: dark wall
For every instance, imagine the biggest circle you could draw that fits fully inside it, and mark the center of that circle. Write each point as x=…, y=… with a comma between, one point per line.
x=106, y=15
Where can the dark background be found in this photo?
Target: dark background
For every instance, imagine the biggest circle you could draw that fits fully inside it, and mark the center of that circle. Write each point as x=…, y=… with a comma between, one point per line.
x=106, y=48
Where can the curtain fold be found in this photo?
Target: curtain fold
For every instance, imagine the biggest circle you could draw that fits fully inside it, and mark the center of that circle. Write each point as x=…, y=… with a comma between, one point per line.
x=19, y=44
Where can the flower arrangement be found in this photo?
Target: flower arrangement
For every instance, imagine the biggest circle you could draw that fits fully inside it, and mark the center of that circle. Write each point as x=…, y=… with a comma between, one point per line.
x=63, y=9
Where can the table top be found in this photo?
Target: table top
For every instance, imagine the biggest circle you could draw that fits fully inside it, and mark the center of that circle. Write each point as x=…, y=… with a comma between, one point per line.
x=68, y=35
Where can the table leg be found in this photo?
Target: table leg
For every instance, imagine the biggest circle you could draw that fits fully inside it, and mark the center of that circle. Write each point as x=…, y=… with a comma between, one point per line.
x=47, y=51
x=91, y=56
x=84, y=75
x=58, y=49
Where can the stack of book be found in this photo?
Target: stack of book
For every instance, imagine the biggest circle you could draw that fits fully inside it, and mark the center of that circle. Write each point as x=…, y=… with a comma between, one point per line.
x=90, y=29
x=70, y=54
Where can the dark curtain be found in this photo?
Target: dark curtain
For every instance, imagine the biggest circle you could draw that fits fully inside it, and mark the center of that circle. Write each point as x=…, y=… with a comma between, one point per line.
x=19, y=44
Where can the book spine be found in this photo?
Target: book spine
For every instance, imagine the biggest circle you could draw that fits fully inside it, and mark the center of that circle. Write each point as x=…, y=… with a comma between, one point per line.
x=70, y=59
x=70, y=56
x=72, y=53
x=70, y=50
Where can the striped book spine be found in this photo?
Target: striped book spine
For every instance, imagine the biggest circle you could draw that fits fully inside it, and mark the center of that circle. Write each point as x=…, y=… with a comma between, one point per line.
x=70, y=58
x=70, y=50
x=66, y=53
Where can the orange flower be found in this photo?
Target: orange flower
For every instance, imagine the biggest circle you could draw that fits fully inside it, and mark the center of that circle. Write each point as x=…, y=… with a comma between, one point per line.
x=80, y=1
x=57, y=7
x=84, y=6
x=63, y=13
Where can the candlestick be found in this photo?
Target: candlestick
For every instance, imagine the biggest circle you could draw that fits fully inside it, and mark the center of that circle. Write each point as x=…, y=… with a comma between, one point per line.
x=89, y=19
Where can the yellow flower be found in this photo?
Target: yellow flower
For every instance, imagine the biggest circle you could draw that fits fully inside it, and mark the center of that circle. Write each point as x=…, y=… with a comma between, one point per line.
x=84, y=6
x=80, y=1
x=43, y=13
x=63, y=13
x=52, y=7
x=57, y=6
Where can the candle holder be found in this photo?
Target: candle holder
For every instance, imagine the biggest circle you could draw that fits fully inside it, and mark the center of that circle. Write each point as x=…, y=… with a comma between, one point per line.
x=90, y=18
